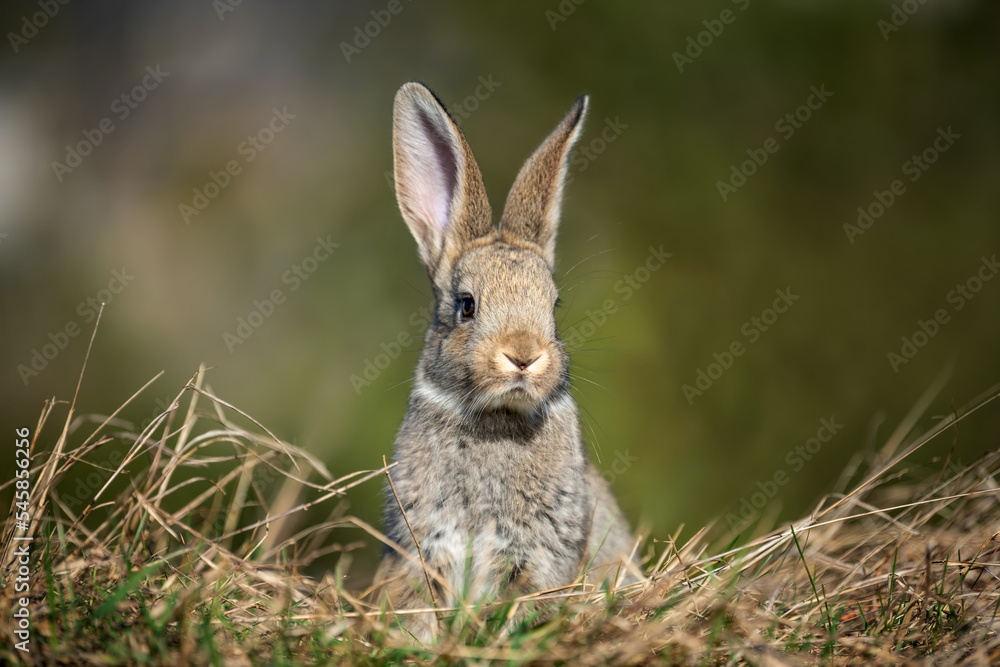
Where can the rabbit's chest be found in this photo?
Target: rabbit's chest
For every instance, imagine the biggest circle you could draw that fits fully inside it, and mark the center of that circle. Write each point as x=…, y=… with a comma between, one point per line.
x=507, y=510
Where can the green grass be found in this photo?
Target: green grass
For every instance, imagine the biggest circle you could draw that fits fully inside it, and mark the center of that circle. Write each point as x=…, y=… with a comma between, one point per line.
x=193, y=551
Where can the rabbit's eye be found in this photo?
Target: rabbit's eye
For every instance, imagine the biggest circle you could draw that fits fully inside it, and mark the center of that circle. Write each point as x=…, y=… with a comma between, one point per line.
x=467, y=305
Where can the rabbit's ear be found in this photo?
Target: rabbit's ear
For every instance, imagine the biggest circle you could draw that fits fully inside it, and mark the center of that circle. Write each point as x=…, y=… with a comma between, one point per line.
x=438, y=185
x=533, y=205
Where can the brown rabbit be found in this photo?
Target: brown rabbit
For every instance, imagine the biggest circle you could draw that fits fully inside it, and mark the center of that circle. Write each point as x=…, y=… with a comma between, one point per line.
x=492, y=473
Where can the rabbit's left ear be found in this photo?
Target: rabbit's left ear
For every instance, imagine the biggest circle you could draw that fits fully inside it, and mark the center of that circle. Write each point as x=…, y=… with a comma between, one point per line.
x=438, y=185
x=532, y=210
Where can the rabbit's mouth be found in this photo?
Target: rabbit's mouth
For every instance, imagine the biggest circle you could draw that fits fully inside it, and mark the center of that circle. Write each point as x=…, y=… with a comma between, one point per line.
x=517, y=398
x=518, y=395
x=520, y=392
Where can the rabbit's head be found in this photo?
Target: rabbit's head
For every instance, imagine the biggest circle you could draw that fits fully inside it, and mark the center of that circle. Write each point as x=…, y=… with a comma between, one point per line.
x=493, y=344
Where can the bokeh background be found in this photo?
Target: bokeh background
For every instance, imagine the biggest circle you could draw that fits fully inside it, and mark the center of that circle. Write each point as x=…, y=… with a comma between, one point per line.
x=679, y=92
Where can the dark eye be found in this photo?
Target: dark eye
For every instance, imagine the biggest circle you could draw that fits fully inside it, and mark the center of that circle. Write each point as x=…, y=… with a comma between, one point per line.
x=467, y=306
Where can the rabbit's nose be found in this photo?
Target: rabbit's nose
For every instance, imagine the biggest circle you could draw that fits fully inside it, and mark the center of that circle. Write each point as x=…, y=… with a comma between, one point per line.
x=520, y=363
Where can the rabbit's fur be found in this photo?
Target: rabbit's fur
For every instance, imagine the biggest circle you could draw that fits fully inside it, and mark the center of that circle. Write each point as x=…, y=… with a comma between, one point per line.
x=492, y=473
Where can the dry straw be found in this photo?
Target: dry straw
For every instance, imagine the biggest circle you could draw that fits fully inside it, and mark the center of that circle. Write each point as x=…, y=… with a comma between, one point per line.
x=193, y=551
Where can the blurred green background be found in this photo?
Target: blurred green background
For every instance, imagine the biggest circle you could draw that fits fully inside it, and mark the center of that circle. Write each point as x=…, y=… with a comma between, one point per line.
x=680, y=92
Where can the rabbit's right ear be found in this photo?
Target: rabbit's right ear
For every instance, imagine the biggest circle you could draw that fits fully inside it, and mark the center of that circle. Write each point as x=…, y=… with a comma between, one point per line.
x=438, y=185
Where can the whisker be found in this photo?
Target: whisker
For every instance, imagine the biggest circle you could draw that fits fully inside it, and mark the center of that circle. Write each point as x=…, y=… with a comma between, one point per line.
x=400, y=384
x=580, y=377
x=585, y=259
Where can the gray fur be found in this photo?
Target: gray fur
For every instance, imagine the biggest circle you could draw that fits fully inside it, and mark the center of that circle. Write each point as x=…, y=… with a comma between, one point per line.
x=492, y=470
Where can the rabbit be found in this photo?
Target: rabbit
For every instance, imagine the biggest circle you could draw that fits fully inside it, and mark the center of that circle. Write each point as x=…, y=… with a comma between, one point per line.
x=492, y=476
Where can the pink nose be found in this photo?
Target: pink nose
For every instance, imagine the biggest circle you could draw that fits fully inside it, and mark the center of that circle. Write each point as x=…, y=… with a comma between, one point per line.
x=521, y=364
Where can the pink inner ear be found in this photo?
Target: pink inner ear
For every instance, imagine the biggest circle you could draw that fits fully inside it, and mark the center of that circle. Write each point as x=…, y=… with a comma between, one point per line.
x=431, y=199
x=436, y=166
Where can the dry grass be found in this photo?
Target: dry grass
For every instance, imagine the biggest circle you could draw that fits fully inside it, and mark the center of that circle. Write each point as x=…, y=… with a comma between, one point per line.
x=187, y=552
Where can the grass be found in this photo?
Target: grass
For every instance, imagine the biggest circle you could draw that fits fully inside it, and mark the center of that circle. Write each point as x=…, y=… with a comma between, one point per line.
x=192, y=549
